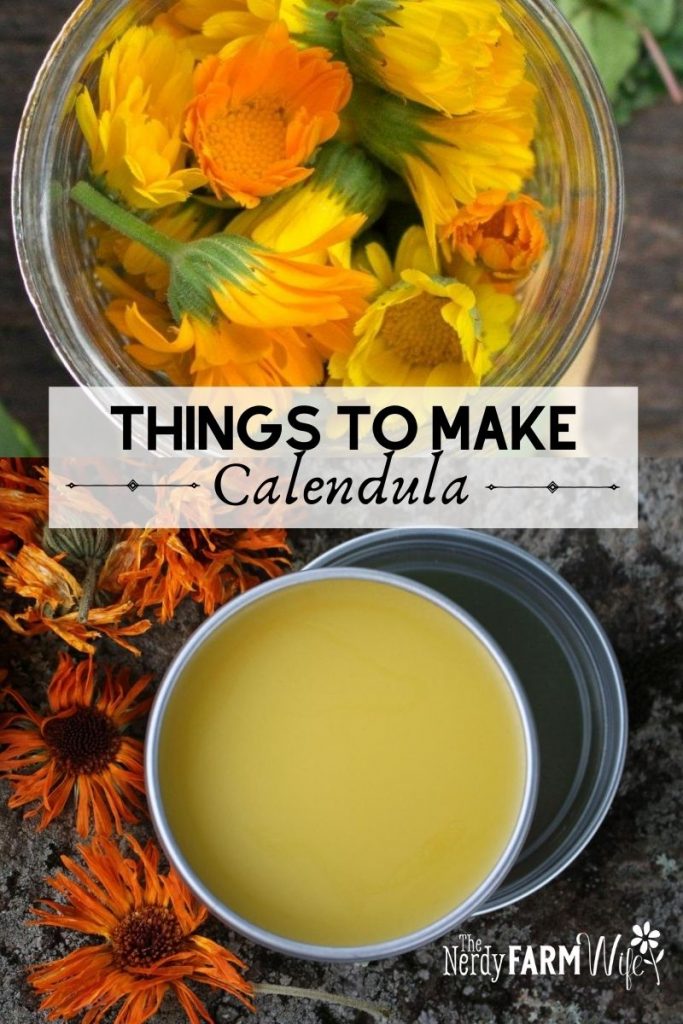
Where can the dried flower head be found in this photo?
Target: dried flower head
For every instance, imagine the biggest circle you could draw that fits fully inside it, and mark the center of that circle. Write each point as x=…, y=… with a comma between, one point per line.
x=211, y=566
x=78, y=748
x=147, y=922
x=56, y=573
x=62, y=601
x=23, y=500
x=84, y=584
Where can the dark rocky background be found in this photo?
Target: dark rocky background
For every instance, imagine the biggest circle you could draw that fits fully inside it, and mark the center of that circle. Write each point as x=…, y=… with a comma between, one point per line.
x=632, y=871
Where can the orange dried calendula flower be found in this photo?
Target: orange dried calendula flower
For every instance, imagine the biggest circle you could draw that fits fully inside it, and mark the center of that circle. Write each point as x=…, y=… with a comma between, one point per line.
x=78, y=748
x=147, y=922
x=49, y=569
x=211, y=566
x=504, y=236
x=257, y=116
x=23, y=500
x=56, y=602
x=85, y=584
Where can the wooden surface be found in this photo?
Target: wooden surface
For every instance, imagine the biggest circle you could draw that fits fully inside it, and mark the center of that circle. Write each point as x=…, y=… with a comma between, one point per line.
x=641, y=341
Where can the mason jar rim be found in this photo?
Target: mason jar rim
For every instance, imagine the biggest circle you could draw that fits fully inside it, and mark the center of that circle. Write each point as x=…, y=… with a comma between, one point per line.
x=88, y=365
x=280, y=943
x=611, y=195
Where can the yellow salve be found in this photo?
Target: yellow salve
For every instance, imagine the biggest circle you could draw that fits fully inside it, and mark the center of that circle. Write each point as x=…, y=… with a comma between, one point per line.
x=342, y=762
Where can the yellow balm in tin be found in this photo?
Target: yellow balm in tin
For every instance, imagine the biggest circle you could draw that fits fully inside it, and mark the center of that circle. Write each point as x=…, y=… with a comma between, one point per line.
x=342, y=762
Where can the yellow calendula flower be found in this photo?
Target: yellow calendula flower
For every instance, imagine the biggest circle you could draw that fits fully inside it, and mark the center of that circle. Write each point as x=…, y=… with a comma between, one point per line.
x=218, y=26
x=225, y=354
x=134, y=127
x=235, y=277
x=456, y=56
x=448, y=161
x=255, y=286
x=345, y=181
x=238, y=21
x=221, y=354
x=424, y=329
x=123, y=295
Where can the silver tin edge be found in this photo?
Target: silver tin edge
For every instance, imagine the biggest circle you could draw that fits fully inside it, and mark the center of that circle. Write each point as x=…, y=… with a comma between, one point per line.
x=280, y=943
x=619, y=722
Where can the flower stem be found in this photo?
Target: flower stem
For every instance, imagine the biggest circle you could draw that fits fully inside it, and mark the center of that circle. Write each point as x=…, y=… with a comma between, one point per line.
x=264, y=989
x=123, y=221
x=89, y=584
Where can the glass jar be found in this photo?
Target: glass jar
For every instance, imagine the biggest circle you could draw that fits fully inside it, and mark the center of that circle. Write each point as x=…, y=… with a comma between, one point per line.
x=579, y=179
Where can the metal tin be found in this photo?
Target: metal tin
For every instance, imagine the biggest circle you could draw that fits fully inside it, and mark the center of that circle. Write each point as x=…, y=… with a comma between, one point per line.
x=564, y=661
x=281, y=943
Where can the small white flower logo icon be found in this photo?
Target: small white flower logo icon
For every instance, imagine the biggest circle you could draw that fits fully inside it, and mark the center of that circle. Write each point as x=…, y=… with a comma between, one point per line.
x=646, y=937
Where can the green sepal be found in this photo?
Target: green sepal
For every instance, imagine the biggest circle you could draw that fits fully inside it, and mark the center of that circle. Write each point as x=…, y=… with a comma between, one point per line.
x=351, y=173
x=389, y=127
x=361, y=22
x=314, y=23
x=199, y=269
x=202, y=268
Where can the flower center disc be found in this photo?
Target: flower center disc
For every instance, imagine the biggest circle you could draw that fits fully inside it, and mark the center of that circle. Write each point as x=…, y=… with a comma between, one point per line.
x=147, y=936
x=416, y=331
x=495, y=228
x=85, y=742
x=248, y=139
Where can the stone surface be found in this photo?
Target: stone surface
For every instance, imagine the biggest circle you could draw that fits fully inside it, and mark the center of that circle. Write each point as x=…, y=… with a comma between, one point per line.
x=630, y=872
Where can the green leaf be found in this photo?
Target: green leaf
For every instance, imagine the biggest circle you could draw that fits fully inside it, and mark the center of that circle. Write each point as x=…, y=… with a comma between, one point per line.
x=611, y=30
x=657, y=15
x=612, y=40
x=15, y=440
x=672, y=44
x=643, y=85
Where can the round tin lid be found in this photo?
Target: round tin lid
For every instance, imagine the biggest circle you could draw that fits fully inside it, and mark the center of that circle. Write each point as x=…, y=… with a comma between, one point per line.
x=563, y=659
x=221, y=909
